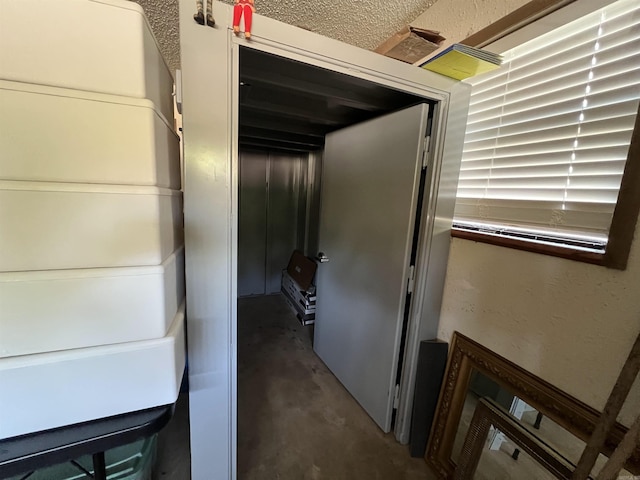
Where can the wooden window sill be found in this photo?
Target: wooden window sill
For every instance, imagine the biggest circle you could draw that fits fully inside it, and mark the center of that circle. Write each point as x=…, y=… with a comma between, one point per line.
x=529, y=246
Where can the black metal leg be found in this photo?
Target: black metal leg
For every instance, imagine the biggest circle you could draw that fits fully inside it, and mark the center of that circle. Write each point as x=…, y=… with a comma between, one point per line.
x=515, y=454
x=99, y=466
x=81, y=468
x=538, y=420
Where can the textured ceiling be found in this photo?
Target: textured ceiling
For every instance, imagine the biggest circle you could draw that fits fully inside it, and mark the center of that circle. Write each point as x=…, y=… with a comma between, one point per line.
x=364, y=23
x=163, y=17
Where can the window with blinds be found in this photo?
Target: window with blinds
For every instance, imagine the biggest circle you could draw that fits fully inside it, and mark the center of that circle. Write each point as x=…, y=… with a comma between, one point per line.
x=548, y=134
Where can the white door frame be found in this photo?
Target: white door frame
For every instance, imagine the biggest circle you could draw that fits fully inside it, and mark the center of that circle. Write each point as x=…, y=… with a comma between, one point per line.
x=210, y=73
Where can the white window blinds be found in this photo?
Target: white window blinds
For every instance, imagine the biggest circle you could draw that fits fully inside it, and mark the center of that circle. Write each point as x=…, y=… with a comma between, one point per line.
x=548, y=133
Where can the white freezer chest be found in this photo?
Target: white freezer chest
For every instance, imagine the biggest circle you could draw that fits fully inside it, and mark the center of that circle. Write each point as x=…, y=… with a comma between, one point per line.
x=59, y=135
x=55, y=389
x=50, y=226
x=101, y=46
x=67, y=309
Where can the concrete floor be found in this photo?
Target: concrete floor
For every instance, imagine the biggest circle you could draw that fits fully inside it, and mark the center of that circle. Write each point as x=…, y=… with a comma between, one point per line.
x=173, y=455
x=296, y=421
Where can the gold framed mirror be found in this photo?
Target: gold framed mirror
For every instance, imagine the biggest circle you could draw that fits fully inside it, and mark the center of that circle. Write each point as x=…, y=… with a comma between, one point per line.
x=533, y=458
x=472, y=371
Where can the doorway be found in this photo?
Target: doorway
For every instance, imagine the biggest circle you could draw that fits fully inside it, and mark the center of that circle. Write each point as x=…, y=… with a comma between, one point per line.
x=211, y=91
x=287, y=111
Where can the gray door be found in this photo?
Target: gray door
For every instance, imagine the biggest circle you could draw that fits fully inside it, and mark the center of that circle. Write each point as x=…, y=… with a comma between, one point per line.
x=370, y=184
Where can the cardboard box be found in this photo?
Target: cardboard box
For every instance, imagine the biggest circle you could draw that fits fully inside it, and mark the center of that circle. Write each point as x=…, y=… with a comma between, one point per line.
x=411, y=44
x=298, y=288
x=302, y=270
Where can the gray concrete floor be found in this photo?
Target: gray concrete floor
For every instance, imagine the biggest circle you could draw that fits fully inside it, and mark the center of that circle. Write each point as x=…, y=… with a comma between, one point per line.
x=295, y=420
x=174, y=457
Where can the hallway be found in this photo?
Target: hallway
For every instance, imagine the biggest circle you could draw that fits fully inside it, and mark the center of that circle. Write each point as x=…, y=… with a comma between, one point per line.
x=295, y=420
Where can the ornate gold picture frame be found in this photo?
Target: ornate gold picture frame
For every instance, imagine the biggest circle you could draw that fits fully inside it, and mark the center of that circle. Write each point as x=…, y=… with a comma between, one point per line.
x=467, y=356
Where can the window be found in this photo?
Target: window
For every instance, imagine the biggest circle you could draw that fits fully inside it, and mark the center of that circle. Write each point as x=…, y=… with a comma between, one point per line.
x=548, y=140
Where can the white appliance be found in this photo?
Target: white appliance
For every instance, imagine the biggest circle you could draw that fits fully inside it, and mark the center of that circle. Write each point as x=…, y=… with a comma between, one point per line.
x=88, y=307
x=49, y=226
x=53, y=389
x=101, y=46
x=50, y=134
x=91, y=230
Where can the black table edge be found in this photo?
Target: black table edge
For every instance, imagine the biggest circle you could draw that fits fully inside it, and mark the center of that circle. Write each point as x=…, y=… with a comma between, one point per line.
x=37, y=450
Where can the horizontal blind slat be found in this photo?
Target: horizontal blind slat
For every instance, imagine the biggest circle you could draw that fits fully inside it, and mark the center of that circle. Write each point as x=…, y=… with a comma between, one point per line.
x=624, y=83
x=613, y=139
x=576, y=169
x=598, y=109
x=548, y=134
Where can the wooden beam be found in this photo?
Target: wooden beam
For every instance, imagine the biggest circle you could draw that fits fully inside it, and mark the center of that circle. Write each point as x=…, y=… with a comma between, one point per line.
x=625, y=215
x=618, y=458
x=610, y=413
x=517, y=19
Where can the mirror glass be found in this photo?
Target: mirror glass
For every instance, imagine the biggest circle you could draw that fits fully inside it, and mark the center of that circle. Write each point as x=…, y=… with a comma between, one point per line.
x=561, y=440
x=497, y=461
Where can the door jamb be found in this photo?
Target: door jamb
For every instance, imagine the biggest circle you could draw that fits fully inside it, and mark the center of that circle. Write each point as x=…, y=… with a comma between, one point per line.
x=441, y=104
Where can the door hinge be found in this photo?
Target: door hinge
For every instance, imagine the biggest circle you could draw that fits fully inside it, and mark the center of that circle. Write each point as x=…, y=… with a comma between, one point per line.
x=425, y=151
x=396, y=397
x=177, y=90
x=412, y=276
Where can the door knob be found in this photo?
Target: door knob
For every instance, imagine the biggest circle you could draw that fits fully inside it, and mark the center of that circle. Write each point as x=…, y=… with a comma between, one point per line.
x=322, y=258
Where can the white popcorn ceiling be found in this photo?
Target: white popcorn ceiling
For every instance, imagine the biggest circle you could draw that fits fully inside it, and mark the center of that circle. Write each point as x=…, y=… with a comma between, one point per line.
x=363, y=23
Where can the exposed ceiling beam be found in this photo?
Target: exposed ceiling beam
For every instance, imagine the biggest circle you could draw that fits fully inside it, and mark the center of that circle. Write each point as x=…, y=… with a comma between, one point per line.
x=260, y=96
x=293, y=138
x=275, y=145
x=285, y=104
x=257, y=67
x=311, y=116
x=337, y=96
x=273, y=123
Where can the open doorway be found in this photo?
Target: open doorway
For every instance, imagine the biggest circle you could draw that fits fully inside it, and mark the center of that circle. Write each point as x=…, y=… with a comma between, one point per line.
x=211, y=91
x=286, y=394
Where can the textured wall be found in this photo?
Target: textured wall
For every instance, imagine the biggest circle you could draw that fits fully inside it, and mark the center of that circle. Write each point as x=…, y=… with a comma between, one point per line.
x=458, y=19
x=365, y=24
x=571, y=323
